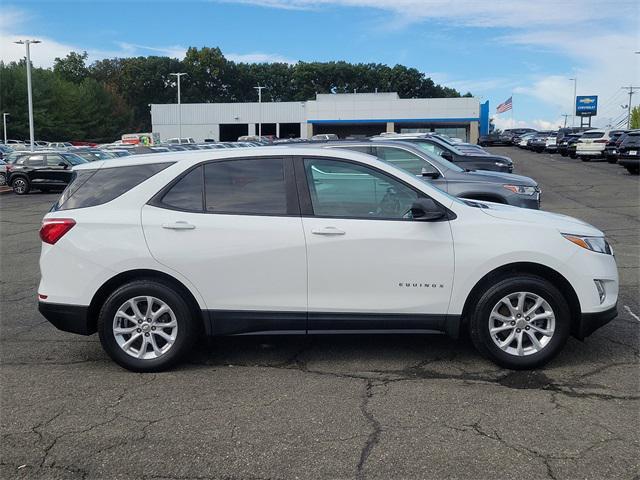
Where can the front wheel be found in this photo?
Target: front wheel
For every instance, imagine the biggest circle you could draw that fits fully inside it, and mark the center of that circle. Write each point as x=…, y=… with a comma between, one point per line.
x=146, y=326
x=3, y=179
x=520, y=322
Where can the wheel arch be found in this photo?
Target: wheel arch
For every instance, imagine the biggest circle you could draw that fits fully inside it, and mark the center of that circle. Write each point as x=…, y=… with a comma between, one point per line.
x=547, y=273
x=125, y=277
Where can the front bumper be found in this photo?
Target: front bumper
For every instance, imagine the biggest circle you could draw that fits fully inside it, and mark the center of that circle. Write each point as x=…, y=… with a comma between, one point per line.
x=69, y=318
x=590, y=322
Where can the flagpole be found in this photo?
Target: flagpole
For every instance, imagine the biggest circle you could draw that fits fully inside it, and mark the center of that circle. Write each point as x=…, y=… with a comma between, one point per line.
x=513, y=124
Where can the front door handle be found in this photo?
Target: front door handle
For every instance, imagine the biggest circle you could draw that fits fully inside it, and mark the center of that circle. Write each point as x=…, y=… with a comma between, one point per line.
x=328, y=231
x=178, y=226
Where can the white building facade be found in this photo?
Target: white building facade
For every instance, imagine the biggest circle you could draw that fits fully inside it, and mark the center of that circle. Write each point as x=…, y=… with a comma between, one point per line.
x=347, y=115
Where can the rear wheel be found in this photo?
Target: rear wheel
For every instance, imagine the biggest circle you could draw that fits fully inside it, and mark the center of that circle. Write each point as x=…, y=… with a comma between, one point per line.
x=20, y=185
x=146, y=326
x=520, y=322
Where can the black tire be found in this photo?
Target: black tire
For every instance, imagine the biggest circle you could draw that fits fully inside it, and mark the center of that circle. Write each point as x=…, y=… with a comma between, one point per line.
x=20, y=185
x=612, y=160
x=187, y=327
x=564, y=154
x=479, y=321
x=633, y=170
x=3, y=179
x=573, y=155
x=585, y=159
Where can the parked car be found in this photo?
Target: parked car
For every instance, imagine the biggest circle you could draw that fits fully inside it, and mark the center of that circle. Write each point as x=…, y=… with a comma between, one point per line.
x=4, y=151
x=465, y=160
x=181, y=141
x=551, y=144
x=59, y=145
x=538, y=142
x=419, y=160
x=325, y=136
x=44, y=171
x=562, y=132
x=522, y=140
x=93, y=154
x=591, y=144
x=3, y=173
x=509, y=133
x=611, y=147
x=492, y=139
x=629, y=152
x=568, y=139
x=324, y=240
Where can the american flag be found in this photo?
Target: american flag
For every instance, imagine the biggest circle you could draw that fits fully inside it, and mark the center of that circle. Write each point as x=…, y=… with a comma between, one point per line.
x=505, y=106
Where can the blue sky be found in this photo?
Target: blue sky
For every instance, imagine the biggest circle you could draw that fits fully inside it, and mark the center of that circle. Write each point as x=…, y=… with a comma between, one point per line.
x=492, y=49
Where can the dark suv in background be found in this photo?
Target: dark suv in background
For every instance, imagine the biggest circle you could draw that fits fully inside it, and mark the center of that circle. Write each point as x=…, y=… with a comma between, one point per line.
x=611, y=148
x=629, y=152
x=42, y=170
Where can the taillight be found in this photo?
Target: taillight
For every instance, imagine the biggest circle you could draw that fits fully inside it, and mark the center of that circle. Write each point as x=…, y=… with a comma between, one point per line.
x=54, y=229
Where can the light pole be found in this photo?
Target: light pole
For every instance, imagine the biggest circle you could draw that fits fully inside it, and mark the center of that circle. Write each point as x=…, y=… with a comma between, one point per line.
x=259, y=89
x=26, y=43
x=178, y=75
x=4, y=124
x=573, y=107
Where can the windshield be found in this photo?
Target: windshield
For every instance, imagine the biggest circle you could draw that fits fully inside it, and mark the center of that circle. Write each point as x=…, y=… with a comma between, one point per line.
x=424, y=148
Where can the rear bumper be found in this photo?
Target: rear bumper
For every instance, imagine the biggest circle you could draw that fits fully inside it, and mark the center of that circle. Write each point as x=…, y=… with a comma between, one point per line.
x=69, y=318
x=590, y=322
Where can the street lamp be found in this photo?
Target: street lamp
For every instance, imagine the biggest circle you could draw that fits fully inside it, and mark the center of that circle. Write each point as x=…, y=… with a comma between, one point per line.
x=259, y=89
x=4, y=124
x=26, y=43
x=178, y=75
x=575, y=88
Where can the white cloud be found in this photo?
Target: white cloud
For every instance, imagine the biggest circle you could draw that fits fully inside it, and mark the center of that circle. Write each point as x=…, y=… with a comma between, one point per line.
x=503, y=121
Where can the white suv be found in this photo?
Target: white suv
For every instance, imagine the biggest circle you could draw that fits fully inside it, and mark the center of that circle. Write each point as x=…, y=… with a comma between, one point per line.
x=152, y=251
x=592, y=144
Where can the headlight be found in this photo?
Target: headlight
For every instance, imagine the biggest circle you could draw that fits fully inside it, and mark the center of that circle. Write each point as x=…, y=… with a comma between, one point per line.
x=595, y=244
x=521, y=189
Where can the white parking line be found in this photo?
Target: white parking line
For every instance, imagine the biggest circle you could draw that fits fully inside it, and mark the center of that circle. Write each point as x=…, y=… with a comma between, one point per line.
x=626, y=307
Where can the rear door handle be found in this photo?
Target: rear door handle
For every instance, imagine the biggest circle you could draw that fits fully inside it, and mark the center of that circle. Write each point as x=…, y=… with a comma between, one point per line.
x=178, y=226
x=328, y=231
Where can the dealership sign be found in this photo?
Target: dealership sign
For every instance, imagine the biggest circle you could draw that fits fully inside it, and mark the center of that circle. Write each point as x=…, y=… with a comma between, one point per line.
x=587, y=105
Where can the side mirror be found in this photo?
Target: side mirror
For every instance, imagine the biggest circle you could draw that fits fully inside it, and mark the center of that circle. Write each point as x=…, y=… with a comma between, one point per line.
x=432, y=174
x=446, y=155
x=426, y=210
x=63, y=165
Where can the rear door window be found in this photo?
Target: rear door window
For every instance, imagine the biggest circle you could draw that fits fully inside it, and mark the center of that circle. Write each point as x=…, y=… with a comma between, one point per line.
x=246, y=187
x=188, y=193
x=35, y=161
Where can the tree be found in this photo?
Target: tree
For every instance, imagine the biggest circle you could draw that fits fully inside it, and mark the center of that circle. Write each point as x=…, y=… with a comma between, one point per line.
x=72, y=68
x=635, y=117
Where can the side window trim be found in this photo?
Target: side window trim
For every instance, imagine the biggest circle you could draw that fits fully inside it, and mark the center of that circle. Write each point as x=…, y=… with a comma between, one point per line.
x=305, y=194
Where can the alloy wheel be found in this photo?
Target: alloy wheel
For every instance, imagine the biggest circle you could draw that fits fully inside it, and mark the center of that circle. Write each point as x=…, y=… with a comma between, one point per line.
x=522, y=323
x=19, y=186
x=145, y=327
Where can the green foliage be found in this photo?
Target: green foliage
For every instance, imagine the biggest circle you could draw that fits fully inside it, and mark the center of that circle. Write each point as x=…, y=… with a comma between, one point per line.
x=99, y=102
x=635, y=117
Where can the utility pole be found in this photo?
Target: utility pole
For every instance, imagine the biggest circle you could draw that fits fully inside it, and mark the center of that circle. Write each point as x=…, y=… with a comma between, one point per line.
x=4, y=124
x=259, y=89
x=631, y=89
x=178, y=75
x=27, y=43
x=565, y=119
x=573, y=107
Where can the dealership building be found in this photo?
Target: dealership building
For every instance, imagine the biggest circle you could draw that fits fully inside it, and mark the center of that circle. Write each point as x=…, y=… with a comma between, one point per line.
x=350, y=114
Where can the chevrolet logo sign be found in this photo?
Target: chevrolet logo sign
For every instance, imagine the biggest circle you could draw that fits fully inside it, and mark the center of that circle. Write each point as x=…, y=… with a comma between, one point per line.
x=587, y=100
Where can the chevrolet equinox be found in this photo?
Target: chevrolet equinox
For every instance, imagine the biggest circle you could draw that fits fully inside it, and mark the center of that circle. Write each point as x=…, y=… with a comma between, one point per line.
x=152, y=251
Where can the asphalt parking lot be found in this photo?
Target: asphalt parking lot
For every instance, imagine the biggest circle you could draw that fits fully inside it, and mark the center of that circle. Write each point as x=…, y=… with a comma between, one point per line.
x=336, y=407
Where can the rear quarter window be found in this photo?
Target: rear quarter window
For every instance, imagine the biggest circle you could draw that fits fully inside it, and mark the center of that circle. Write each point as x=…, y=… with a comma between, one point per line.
x=89, y=188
